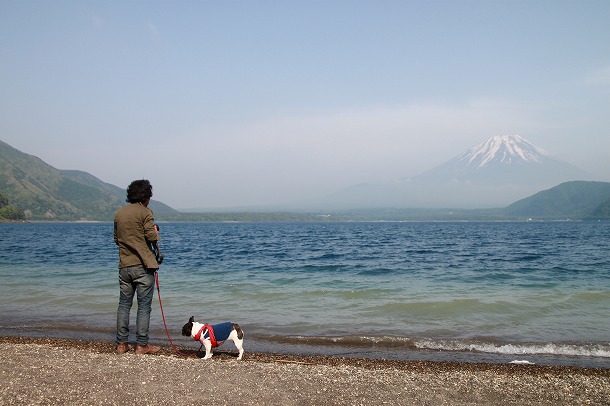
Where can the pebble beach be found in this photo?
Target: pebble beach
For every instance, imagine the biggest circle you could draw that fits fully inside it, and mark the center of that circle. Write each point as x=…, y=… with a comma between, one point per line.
x=60, y=371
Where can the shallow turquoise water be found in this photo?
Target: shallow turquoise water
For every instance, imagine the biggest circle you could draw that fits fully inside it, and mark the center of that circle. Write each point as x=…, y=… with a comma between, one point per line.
x=450, y=291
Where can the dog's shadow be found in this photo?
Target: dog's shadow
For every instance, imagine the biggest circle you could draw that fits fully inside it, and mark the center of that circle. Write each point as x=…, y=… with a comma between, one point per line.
x=218, y=354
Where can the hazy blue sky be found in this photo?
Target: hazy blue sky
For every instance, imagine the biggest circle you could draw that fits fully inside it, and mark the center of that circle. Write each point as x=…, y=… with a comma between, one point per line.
x=229, y=103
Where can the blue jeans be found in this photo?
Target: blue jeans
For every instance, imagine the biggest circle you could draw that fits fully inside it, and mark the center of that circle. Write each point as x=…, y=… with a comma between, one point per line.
x=141, y=281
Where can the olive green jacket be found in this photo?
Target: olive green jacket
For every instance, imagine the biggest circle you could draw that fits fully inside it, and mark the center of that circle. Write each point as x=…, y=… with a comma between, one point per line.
x=134, y=228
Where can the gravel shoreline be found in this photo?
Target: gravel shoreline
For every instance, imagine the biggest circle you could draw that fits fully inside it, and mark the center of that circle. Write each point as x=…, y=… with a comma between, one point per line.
x=53, y=371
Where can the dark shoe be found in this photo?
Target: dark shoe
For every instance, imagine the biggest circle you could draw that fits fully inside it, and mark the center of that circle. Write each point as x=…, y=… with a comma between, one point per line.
x=146, y=349
x=122, y=348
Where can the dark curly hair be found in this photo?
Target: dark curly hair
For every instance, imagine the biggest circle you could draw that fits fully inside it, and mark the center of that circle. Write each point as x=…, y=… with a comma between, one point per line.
x=139, y=191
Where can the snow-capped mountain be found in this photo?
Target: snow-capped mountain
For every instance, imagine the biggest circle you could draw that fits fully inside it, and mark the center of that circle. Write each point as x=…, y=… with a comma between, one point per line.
x=502, y=150
x=494, y=173
x=505, y=160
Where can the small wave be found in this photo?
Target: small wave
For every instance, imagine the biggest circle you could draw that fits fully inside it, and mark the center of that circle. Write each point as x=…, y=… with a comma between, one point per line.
x=580, y=350
x=343, y=341
x=597, y=350
x=522, y=362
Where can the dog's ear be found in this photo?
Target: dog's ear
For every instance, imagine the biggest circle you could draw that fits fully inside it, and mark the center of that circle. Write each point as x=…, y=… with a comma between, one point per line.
x=192, y=319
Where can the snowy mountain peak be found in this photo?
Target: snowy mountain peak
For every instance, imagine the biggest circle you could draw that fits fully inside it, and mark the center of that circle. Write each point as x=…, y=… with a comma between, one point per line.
x=503, y=149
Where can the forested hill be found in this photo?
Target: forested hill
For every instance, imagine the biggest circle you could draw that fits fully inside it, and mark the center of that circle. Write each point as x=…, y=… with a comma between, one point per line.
x=46, y=193
x=580, y=200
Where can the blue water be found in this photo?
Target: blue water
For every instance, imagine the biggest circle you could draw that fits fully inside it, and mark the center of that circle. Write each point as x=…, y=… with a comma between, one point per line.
x=478, y=292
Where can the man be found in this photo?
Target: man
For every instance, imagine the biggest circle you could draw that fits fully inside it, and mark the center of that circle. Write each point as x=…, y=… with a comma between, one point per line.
x=136, y=234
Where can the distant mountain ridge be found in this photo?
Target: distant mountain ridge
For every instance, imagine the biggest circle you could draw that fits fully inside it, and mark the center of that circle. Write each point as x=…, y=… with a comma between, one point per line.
x=48, y=193
x=494, y=173
x=44, y=192
x=569, y=201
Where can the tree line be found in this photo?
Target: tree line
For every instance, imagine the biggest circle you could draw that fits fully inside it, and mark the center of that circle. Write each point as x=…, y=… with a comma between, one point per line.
x=10, y=212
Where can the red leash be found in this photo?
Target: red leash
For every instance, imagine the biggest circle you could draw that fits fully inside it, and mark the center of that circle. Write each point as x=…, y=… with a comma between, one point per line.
x=165, y=324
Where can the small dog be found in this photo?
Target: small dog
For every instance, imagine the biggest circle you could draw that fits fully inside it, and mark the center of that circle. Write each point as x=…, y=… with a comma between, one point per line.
x=211, y=336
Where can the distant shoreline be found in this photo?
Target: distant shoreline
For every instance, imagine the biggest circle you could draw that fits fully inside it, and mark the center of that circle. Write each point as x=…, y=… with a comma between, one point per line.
x=313, y=222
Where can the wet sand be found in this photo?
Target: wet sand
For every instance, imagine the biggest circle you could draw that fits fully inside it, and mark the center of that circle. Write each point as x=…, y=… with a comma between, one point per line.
x=59, y=371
